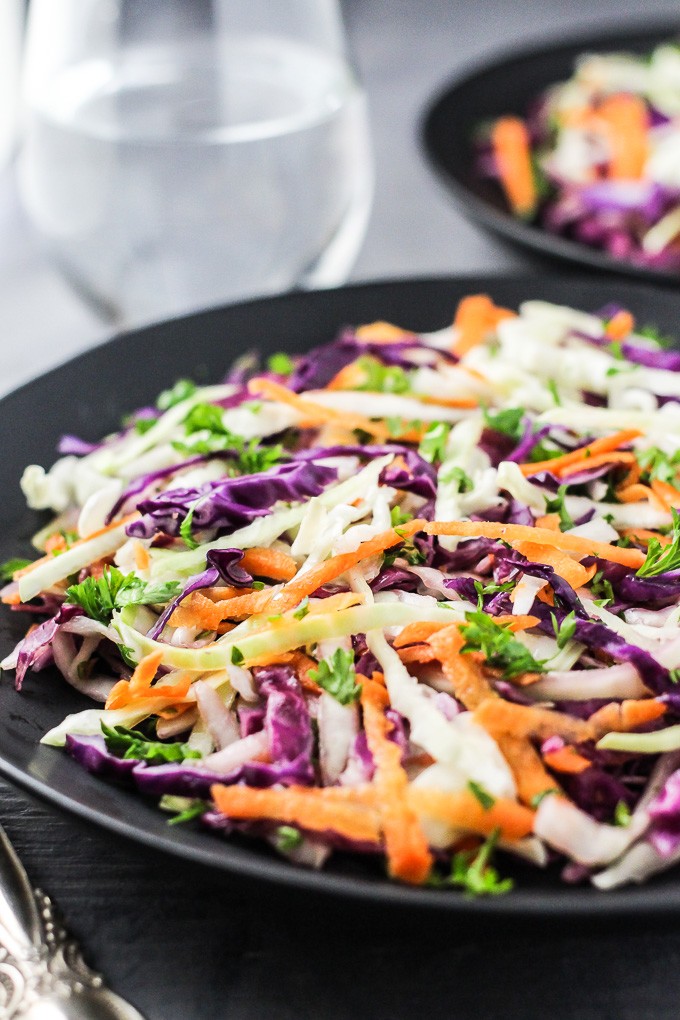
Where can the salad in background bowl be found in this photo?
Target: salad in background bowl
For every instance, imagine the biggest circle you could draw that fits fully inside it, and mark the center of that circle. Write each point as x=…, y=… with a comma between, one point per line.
x=596, y=158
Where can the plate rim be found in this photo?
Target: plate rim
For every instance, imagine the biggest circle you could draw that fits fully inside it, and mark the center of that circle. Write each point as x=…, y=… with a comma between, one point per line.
x=530, y=237
x=651, y=902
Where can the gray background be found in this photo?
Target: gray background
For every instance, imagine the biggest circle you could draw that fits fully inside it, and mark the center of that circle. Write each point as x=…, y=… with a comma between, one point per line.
x=177, y=944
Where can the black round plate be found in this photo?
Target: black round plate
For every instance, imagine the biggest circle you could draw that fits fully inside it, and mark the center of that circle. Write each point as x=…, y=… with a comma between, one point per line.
x=507, y=85
x=88, y=396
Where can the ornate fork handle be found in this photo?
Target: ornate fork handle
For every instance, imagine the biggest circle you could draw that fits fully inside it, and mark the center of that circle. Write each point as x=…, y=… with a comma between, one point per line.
x=55, y=968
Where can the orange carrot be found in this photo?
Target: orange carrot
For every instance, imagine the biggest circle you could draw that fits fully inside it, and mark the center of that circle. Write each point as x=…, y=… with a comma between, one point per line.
x=462, y=670
x=567, y=760
x=351, y=377
x=408, y=856
x=316, y=810
x=605, y=445
x=516, y=623
x=269, y=563
x=314, y=414
x=463, y=810
x=637, y=492
x=142, y=558
x=414, y=633
x=620, y=325
x=307, y=583
x=667, y=494
x=644, y=536
x=499, y=716
x=416, y=653
x=531, y=778
x=138, y=687
x=55, y=544
x=381, y=332
x=626, y=120
x=549, y=521
x=624, y=716
x=514, y=533
x=476, y=315
x=572, y=571
x=598, y=460
x=512, y=149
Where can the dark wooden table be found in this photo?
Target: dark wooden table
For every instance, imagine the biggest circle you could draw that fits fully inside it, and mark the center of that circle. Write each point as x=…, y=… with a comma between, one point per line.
x=183, y=944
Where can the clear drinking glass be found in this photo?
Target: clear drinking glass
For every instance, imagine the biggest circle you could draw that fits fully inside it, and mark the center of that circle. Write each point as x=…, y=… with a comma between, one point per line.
x=181, y=153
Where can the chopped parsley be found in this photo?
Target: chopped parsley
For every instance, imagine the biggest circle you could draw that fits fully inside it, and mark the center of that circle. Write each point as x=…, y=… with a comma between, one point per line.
x=207, y=419
x=537, y=798
x=498, y=646
x=457, y=476
x=482, y=795
x=657, y=464
x=302, y=609
x=185, y=528
x=508, y=422
x=337, y=676
x=10, y=567
x=99, y=596
x=557, y=506
x=379, y=378
x=433, y=444
x=622, y=815
x=564, y=631
x=182, y=389
x=133, y=744
x=397, y=517
x=602, y=589
x=492, y=588
x=471, y=870
x=661, y=558
x=287, y=838
x=281, y=364
x=237, y=657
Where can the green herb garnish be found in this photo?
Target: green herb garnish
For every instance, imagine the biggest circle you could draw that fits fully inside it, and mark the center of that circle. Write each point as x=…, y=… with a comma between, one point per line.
x=337, y=676
x=99, y=596
x=498, y=646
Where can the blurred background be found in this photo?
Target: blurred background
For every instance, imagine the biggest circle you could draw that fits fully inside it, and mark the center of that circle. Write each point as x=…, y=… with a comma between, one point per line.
x=404, y=51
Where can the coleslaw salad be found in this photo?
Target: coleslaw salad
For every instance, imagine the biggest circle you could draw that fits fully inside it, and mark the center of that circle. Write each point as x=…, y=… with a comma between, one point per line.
x=414, y=596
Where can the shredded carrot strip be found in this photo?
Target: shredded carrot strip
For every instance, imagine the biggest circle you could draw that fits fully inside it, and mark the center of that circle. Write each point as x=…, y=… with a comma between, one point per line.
x=620, y=325
x=463, y=810
x=381, y=332
x=637, y=492
x=316, y=810
x=644, y=536
x=626, y=120
x=572, y=571
x=604, y=445
x=307, y=583
x=408, y=856
x=475, y=316
x=512, y=149
x=142, y=558
x=516, y=623
x=514, y=533
x=462, y=670
x=224, y=592
x=416, y=653
x=269, y=563
x=667, y=494
x=597, y=460
x=138, y=687
x=549, y=521
x=624, y=716
x=414, y=633
x=12, y=600
x=314, y=414
x=55, y=543
x=567, y=760
x=497, y=715
x=351, y=377
x=531, y=778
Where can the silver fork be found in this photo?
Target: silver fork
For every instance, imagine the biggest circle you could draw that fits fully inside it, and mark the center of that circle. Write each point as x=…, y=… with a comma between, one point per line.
x=42, y=973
